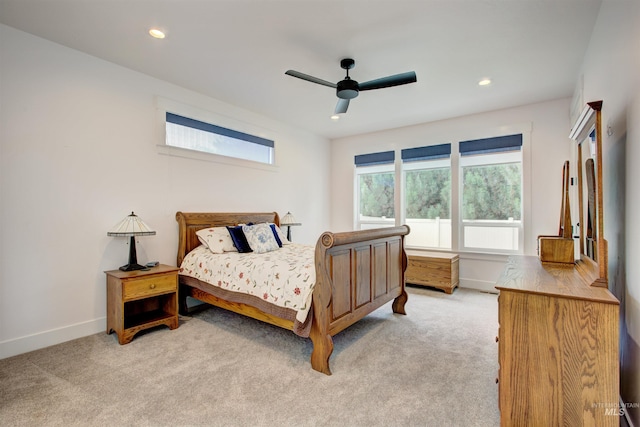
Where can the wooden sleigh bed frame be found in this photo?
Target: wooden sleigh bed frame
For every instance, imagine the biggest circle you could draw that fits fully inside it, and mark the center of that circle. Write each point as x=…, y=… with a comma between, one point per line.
x=356, y=273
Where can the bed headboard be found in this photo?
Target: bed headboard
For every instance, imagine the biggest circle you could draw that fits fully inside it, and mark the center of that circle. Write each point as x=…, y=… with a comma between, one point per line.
x=190, y=223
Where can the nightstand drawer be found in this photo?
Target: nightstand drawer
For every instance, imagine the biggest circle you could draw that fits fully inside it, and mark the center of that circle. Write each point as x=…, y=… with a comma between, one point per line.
x=143, y=287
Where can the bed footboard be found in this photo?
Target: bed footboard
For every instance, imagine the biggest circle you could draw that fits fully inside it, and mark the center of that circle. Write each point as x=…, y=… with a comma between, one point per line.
x=356, y=273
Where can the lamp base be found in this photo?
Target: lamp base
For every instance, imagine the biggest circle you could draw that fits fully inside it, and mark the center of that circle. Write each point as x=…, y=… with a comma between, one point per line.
x=132, y=267
x=133, y=258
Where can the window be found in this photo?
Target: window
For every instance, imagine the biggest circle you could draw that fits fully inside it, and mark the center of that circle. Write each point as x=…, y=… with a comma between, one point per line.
x=491, y=194
x=427, y=195
x=191, y=134
x=467, y=196
x=375, y=187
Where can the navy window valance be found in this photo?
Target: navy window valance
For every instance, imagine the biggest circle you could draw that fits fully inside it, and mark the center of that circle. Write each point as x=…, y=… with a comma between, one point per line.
x=431, y=152
x=491, y=145
x=382, y=158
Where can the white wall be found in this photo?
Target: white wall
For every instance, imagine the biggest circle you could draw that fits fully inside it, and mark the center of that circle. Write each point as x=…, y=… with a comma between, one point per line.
x=548, y=147
x=611, y=72
x=78, y=153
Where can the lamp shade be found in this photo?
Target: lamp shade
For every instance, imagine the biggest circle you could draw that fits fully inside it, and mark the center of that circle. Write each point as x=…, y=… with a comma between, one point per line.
x=132, y=225
x=288, y=219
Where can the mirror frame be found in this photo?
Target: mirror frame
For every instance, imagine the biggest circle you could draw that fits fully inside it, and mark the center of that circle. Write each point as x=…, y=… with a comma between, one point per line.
x=591, y=120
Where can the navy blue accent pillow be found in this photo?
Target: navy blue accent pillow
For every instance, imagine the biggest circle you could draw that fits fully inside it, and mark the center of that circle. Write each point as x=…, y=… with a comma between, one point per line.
x=275, y=234
x=239, y=239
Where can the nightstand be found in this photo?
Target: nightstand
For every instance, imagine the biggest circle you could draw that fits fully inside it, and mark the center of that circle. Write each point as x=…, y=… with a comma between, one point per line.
x=141, y=299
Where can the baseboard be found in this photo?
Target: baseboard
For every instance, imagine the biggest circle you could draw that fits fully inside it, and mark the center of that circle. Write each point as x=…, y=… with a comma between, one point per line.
x=479, y=285
x=51, y=337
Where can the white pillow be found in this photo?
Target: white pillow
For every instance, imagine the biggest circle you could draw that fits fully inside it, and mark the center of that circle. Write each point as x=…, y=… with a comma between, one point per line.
x=217, y=239
x=260, y=237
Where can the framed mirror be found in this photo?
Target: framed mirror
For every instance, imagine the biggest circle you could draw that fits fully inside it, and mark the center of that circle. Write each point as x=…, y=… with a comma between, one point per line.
x=560, y=247
x=587, y=133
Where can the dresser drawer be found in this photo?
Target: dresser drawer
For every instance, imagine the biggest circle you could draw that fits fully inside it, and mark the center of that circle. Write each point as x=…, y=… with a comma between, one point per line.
x=146, y=286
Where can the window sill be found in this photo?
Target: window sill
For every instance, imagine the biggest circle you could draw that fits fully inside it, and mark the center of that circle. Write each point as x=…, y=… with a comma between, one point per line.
x=484, y=256
x=185, y=153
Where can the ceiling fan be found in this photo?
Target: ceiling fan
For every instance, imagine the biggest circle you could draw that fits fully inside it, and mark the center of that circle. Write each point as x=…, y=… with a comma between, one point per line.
x=348, y=89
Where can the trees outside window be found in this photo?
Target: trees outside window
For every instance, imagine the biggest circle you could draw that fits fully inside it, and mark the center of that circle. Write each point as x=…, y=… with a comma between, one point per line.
x=377, y=195
x=492, y=192
x=428, y=194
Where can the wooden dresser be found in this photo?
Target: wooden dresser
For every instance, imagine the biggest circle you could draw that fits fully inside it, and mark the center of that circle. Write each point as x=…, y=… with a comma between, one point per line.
x=557, y=346
x=434, y=269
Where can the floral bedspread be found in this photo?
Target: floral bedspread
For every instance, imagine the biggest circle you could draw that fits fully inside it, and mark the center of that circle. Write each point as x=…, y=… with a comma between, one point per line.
x=284, y=277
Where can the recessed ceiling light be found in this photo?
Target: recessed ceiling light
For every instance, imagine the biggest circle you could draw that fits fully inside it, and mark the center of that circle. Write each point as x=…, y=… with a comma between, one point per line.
x=154, y=32
x=484, y=82
x=335, y=117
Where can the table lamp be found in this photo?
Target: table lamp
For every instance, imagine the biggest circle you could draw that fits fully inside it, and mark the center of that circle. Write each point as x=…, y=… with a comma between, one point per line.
x=131, y=226
x=288, y=220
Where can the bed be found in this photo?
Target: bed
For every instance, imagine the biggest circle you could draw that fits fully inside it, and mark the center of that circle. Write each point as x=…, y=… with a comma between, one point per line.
x=355, y=273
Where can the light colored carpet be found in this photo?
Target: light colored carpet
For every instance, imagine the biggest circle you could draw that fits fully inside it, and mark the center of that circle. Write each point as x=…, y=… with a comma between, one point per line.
x=434, y=367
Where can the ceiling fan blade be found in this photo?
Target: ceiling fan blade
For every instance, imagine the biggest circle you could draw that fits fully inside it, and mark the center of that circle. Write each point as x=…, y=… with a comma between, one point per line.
x=341, y=106
x=310, y=78
x=395, y=80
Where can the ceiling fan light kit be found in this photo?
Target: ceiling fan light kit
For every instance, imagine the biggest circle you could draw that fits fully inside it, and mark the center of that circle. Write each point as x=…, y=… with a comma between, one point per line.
x=348, y=88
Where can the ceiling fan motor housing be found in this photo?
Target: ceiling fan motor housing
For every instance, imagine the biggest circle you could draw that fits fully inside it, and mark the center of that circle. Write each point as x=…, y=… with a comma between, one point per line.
x=347, y=89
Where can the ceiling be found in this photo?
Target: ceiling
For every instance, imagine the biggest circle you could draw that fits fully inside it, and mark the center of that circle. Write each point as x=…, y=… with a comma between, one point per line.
x=237, y=51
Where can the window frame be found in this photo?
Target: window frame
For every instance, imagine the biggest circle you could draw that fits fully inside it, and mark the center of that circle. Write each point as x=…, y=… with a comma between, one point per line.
x=418, y=165
x=525, y=236
x=367, y=170
x=204, y=114
x=223, y=139
x=491, y=159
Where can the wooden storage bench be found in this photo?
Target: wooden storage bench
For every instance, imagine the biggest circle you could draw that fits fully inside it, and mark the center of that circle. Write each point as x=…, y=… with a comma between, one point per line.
x=434, y=269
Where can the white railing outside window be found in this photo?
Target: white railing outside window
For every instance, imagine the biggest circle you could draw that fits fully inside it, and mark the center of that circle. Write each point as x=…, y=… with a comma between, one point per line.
x=494, y=236
x=368, y=223
x=429, y=233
